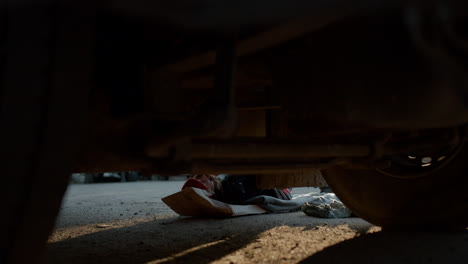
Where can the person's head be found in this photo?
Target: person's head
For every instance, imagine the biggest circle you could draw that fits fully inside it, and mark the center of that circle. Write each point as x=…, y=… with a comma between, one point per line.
x=209, y=180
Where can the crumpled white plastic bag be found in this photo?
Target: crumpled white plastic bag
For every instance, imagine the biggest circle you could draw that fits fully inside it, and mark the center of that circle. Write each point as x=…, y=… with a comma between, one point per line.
x=326, y=206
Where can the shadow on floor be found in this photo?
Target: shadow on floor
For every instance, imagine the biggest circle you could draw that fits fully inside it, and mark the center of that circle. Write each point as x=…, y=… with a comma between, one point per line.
x=179, y=240
x=195, y=240
x=165, y=240
x=387, y=247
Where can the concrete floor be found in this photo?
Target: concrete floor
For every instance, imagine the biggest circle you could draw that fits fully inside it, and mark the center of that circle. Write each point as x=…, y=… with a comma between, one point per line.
x=128, y=223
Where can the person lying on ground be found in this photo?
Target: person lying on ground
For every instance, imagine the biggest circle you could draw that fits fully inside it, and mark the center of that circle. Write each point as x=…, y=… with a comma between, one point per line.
x=233, y=189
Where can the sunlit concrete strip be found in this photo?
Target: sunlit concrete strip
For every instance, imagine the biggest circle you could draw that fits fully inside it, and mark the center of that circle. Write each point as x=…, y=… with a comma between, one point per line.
x=286, y=244
x=185, y=252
